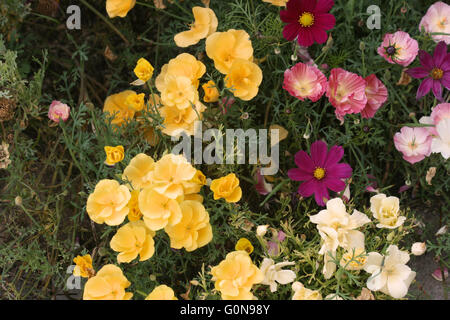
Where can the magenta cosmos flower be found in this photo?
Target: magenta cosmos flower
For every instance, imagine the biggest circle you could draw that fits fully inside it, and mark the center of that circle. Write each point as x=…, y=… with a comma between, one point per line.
x=308, y=21
x=436, y=70
x=320, y=171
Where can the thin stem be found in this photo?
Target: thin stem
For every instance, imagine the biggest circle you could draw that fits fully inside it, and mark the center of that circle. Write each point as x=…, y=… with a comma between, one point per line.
x=164, y=11
x=105, y=20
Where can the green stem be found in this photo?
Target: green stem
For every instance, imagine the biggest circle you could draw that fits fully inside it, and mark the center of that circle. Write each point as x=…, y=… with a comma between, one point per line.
x=105, y=20
x=275, y=190
x=164, y=11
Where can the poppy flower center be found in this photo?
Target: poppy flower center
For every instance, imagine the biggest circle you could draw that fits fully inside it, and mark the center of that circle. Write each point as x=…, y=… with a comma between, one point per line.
x=437, y=73
x=319, y=173
x=306, y=19
x=391, y=50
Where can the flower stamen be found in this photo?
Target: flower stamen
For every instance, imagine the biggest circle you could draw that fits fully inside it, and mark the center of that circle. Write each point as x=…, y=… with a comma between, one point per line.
x=319, y=173
x=306, y=19
x=437, y=73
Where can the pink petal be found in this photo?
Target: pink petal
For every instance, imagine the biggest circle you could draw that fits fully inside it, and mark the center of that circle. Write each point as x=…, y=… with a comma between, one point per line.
x=424, y=88
x=320, y=36
x=291, y=31
x=437, y=90
x=319, y=151
x=306, y=189
x=324, y=5
x=320, y=193
x=303, y=161
x=335, y=185
x=334, y=156
x=418, y=72
x=325, y=21
x=305, y=37
x=299, y=175
x=446, y=80
x=340, y=171
x=426, y=59
x=437, y=274
x=440, y=53
x=306, y=5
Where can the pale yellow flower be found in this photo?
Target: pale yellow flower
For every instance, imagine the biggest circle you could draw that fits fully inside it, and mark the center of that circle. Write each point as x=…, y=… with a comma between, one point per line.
x=114, y=155
x=225, y=47
x=387, y=211
x=83, y=266
x=205, y=24
x=162, y=292
x=178, y=121
x=227, y=187
x=196, y=183
x=143, y=70
x=133, y=239
x=119, y=8
x=211, y=92
x=390, y=274
x=194, y=230
x=235, y=276
x=134, y=214
x=179, y=92
x=117, y=106
x=184, y=65
x=354, y=259
x=273, y=274
x=170, y=174
x=278, y=3
x=158, y=210
x=108, y=284
x=244, y=79
x=108, y=203
x=302, y=293
x=138, y=172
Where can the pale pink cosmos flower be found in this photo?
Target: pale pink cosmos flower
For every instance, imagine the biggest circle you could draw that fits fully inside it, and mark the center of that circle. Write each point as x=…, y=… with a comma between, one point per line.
x=440, y=112
x=399, y=48
x=413, y=143
x=377, y=95
x=305, y=82
x=58, y=111
x=437, y=20
x=346, y=92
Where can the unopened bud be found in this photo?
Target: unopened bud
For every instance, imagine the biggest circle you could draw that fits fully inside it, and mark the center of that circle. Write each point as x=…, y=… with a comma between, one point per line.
x=418, y=248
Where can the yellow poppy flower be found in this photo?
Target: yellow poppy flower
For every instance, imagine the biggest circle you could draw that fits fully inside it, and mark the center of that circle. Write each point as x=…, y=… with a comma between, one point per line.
x=162, y=292
x=177, y=121
x=194, y=230
x=108, y=203
x=184, y=65
x=244, y=79
x=131, y=240
x=114, y=155
x=138, y=171
x=179, y=92
x=117, y=106
x=235, y=276
x=135, y=101
x=119, y=8
x=225, y=47
x=83, y=266
x=143, y=70
x=227, y=187
x=245, y=245
x=211, y=92
x=278, y=3
x=108, y=284
x=158, y=210
x=204, y=25
x=134, y=214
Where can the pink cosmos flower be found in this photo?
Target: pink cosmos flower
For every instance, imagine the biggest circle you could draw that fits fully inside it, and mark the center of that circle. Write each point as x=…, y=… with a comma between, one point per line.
x=436, y=70
x=305, y=82
x=58, y=110
x=377, y=95
x=320, y=171
x=346, y=92
x=437, y=20
x=413, y=143
x=399, y=48
x=308, y=21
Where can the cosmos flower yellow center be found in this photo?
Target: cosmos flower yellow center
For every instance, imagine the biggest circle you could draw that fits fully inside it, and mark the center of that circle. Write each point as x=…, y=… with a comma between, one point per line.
x=319, y=173
x=306, y=19
x=437, y=73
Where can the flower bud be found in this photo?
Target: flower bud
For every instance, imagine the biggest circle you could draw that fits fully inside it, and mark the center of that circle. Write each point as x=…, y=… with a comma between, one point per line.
x=18, y=201
x=418, y=248
x=261, y=230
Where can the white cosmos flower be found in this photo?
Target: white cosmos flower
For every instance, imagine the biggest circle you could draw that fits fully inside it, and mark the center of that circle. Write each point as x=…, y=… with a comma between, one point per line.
x=390, y=274
x=441, y=144
x=273, y=273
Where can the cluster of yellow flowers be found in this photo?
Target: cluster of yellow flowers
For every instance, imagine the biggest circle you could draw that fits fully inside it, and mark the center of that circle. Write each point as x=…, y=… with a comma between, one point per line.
x=164, y=194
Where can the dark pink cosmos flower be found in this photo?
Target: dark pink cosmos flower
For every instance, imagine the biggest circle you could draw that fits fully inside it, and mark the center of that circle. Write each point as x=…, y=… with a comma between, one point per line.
x=308, y=21
x=436, y=70
x=320, y=172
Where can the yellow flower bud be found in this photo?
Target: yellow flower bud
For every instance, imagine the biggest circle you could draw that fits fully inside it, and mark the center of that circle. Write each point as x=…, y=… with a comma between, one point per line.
x=144, y=70
x=114, y=155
